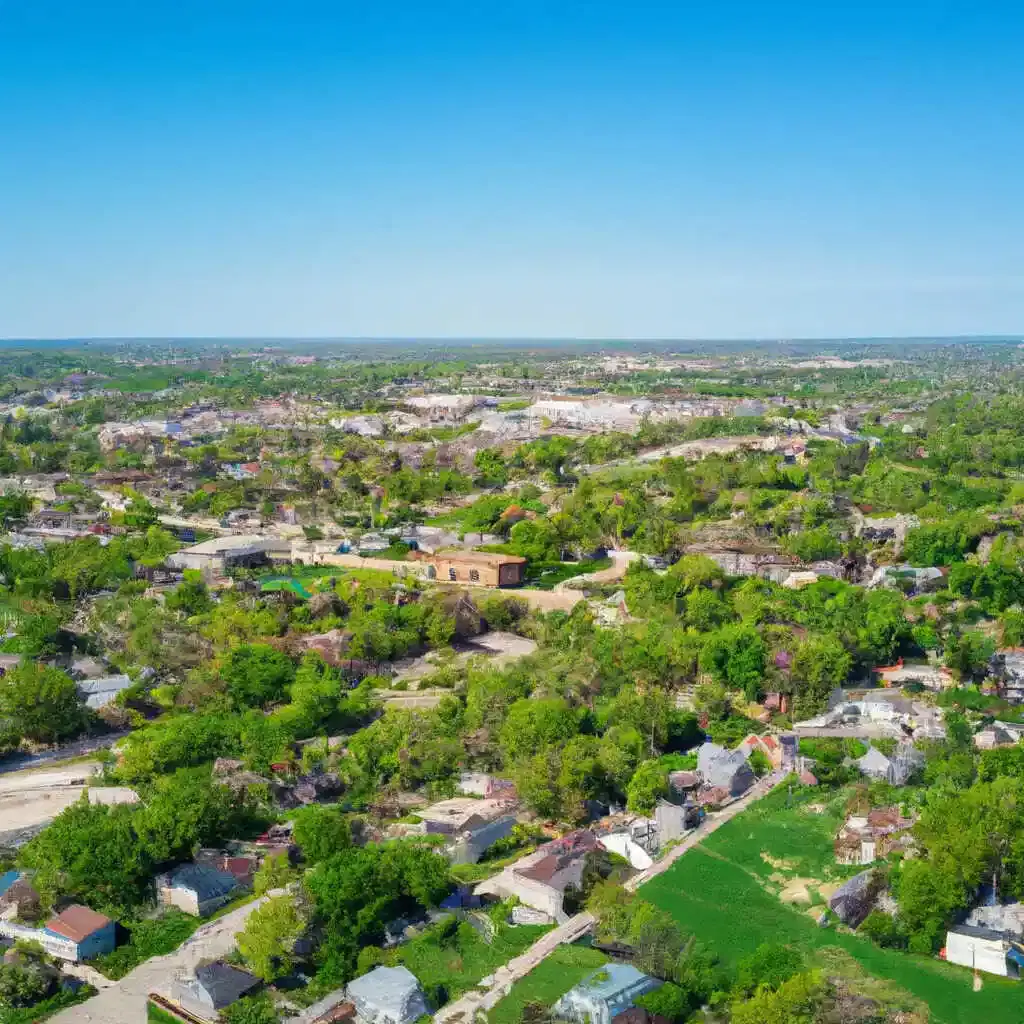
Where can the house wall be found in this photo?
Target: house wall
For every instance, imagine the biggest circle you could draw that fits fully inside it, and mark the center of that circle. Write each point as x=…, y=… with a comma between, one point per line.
x=490, y=575
x=987, y=955
x=102, y=941
x=55, y=945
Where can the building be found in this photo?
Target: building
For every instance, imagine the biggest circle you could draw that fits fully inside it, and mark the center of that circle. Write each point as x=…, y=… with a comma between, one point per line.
x=387, y=995
x=767, y=744
x=539, y=879
x=984, y=949
x=222, y=553
x=1007, y=666
x=476, y=567
x=18, y=899
x=212, y=988
x=90, y=934
x=724, y=769
x=196, y=889
x=799, y=579
x=473, y=825
x=98, y=693
x=998, y=734
x=605, y=994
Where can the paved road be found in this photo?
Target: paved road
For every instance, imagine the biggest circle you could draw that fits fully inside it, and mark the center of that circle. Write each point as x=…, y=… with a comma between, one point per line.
x=125, y=1001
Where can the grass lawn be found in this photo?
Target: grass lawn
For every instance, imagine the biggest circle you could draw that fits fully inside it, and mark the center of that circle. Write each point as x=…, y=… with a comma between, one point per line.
x=153, y=937
x=546, y=575
x=721, y=891
x=450, y=958
x=548, y=981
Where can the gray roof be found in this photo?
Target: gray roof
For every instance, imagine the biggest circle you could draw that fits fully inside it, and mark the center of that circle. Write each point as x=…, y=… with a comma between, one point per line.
x=718, y=765
x=224, y=984
x=389, y=991
x=206, y=882
x=99, y=692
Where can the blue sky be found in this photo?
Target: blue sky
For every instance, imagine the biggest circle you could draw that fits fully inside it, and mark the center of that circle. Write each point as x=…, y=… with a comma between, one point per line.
x=516, y=169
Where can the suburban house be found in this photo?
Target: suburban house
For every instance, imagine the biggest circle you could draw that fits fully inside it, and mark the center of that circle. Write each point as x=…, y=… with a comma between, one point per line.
x=213, y=987
x=473, y=825
x=863, y=839
x=18, y=899
x=539, y=879
x=984, y=949
x=89, y=933
x=196, y=889
x=387, y=995
x=477, y=567
x=723, y=769
x=605, y=994
x=673, y=820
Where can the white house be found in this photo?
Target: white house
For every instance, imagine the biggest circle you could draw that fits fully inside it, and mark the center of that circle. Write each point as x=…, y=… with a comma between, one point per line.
x=387, y=995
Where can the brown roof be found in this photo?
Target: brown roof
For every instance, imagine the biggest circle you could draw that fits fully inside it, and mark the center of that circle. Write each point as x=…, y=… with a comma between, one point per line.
x=77, y=922
x=542, y=870
x=480, y=558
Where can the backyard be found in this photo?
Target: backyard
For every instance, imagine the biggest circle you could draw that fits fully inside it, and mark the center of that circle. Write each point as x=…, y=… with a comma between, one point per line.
x=726, y=890
x=451, y=957
x=547, y=982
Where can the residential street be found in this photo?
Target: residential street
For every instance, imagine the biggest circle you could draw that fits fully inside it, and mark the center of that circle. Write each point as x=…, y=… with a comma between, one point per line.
x=125, y=1001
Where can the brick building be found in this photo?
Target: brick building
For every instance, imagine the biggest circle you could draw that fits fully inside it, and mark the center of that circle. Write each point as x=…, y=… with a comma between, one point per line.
x=476, y=567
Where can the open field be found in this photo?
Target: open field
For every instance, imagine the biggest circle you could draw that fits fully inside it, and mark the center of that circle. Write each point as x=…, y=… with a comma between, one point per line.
x=548, y=981
x=723, y=892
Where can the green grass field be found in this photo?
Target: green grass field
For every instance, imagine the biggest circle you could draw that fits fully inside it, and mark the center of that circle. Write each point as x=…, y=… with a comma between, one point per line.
x=450, y=962
x=720, y=891
x=548, y=981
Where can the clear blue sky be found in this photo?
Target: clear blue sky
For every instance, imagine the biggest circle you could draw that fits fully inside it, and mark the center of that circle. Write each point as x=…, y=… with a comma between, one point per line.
x=510, y=168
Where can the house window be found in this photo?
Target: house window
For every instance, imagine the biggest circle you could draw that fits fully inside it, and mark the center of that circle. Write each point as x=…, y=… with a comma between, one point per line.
x=474, y=576
x=451, y=575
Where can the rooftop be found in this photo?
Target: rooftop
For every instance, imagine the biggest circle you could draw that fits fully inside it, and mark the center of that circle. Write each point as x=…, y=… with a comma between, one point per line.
x=77, y=922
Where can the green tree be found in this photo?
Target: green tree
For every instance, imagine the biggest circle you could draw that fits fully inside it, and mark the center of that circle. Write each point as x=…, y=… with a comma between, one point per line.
x=274, y=873
x=736, y=655
x=648, y=785
x=41, y=703
x=257, y=674
x=267, y=943
x=968, y=653
x=796, y=1001
x=251, y=1010
x=321, y=832
x=23, y=985
x=820, y=664
x=534, y=724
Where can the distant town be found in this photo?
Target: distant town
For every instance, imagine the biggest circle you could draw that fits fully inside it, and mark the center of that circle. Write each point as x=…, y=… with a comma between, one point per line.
x=641, y=683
